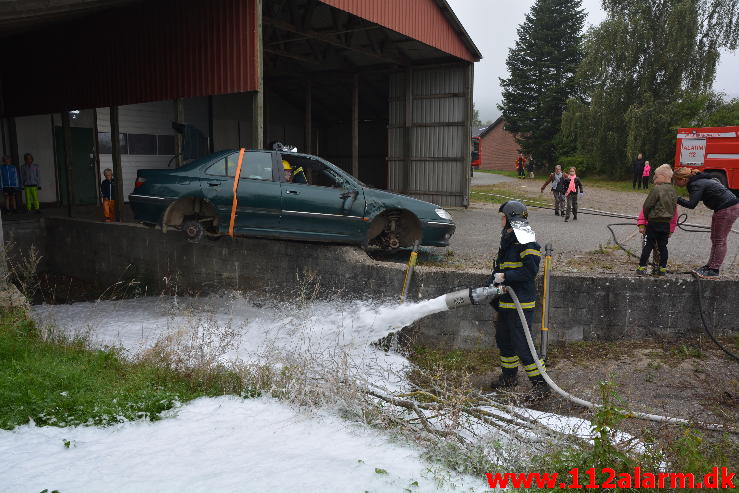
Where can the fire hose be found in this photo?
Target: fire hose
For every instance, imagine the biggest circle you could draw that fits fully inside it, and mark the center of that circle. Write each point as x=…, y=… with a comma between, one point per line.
x=681, y=223
x=477, y=296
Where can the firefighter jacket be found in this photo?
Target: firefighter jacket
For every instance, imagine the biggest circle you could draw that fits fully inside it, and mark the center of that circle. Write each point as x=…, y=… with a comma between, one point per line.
x=520, y=264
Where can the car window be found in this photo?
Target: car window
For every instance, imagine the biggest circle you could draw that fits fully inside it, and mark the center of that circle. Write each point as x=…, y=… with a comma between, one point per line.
x=218, y=168
x=327, y=178
x=313, y=172
x=255, y=166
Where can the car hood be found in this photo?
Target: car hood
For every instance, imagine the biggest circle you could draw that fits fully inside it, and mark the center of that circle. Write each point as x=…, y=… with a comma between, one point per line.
x=379, y=200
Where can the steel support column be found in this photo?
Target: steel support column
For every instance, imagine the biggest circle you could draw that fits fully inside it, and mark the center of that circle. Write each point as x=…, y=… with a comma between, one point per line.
x=179, y=138
x=408, y=130
x=308, y=118
x=115, y=138
x=355, y=126
x=257, y=127
x=68, y=174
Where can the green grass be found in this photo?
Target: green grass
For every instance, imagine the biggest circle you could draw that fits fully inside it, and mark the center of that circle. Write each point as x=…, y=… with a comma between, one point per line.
x=65, y=383
x=512, y=174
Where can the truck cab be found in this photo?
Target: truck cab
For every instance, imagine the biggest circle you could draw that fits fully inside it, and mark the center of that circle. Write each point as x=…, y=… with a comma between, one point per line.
x=713, y=150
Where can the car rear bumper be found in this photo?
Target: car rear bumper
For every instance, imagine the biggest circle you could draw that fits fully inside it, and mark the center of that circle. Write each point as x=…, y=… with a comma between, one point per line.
x=148, y=208
x=437, y=233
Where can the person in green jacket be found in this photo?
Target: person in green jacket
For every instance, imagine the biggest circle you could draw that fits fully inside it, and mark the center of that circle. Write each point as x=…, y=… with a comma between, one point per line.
x=659, y=210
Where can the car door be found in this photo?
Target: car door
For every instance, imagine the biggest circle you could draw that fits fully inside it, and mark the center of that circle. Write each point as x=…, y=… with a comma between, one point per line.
x=259, y=202
x=328, y=206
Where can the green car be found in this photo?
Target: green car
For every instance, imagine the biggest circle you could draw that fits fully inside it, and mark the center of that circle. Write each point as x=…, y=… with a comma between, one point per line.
x=313, y=200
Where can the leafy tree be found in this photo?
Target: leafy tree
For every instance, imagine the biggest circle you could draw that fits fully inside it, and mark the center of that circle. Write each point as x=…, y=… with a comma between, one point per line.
x=476, y=122
x=648, y=68
x=542, y=67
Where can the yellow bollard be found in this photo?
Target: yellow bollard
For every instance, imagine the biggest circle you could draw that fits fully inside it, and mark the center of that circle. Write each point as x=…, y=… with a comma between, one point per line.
x=545, y=302
x=409, y=272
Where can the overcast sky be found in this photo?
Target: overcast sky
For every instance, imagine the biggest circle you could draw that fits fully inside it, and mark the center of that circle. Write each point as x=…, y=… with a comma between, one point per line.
x=492, y=25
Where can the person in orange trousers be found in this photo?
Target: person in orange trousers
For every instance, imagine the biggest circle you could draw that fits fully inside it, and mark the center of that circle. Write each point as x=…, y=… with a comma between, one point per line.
x=107, y=192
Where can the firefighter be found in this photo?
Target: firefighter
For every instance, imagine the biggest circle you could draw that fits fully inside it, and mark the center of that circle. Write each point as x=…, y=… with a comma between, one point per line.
x=293, y=175
x=516, y=266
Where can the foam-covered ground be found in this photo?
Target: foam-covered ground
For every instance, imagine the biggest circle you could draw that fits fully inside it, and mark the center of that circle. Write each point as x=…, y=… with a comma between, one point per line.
x=229, y=444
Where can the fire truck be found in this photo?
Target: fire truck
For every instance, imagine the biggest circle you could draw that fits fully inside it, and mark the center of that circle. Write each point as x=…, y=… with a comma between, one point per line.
x=714, y=150
x=476, y=154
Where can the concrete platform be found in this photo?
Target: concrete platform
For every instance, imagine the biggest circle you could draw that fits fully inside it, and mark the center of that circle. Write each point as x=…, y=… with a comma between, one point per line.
x=583, y=307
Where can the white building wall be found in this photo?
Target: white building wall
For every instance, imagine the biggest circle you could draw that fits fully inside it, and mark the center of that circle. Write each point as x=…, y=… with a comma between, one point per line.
x=146, y=118
x=35, y=135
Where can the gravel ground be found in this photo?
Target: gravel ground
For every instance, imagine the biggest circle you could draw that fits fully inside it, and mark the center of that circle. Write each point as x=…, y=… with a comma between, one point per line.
x=584, y=245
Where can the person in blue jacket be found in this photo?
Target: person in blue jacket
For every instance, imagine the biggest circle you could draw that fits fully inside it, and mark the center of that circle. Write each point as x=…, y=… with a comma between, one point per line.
x=9, y=184
x=516, y=266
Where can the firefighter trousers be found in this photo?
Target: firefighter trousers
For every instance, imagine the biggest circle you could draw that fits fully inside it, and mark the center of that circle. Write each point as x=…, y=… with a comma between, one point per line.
x=511, y=341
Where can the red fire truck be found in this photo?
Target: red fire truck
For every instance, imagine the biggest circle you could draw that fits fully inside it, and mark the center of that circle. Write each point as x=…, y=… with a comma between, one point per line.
x=714, y=150
x=476, y=152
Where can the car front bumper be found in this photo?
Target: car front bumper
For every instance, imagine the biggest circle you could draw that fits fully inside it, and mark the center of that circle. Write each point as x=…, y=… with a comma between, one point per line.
x=437, y=233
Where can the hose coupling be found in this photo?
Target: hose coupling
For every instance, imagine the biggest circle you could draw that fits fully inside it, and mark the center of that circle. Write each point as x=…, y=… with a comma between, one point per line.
x=486, y=294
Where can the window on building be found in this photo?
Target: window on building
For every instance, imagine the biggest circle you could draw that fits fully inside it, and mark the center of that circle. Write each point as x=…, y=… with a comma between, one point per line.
x=105, y=144
x=142, y=144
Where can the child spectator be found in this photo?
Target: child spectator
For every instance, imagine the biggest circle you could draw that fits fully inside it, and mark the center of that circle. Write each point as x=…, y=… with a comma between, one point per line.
x=559, y=198
x=531, y=167
x=107, y=192
x=660, y=212
x=645, y=175
x=569, y=186
x=31, y=182
x=9, y=180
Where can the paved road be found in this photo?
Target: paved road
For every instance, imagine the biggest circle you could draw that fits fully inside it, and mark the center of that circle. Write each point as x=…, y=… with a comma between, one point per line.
x=478, y=234
x=481, y=179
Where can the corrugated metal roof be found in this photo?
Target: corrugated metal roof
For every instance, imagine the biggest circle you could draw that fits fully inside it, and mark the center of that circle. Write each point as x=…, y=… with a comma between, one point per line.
x=151, y=51
x=430, y=21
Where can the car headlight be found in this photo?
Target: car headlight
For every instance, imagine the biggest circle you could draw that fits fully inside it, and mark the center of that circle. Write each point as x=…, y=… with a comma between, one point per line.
x=443, y=214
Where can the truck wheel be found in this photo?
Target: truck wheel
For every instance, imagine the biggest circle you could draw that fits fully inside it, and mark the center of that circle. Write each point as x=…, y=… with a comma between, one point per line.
x=193, y=229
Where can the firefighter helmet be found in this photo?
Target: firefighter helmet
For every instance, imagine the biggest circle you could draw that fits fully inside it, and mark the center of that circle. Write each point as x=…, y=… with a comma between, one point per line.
x=517, y=217
x=514, y=211
x=286, y=166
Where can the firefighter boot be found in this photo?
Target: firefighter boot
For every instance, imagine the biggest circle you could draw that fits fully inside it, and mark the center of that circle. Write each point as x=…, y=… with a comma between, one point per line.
x=539, y=390
x=505, y=381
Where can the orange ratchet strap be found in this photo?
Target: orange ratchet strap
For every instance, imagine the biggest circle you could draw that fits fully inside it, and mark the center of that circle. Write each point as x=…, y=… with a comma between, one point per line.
x=236, y=189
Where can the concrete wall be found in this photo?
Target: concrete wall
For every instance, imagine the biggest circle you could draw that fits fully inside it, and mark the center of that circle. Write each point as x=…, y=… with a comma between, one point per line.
x=499, y=149
x=583, y=307
x=36, y=135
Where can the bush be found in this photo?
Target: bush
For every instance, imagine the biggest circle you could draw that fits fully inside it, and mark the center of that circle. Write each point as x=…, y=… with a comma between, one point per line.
x=579, y=162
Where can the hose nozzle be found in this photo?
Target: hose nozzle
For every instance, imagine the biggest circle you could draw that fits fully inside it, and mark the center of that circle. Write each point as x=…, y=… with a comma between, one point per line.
x=469, y=296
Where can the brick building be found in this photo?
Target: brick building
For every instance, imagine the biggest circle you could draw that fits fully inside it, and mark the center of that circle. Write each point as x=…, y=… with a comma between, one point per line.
x=498, y=147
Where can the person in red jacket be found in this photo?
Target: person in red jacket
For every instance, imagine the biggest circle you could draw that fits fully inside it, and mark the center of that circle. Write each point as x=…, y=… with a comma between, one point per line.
x=521, y=166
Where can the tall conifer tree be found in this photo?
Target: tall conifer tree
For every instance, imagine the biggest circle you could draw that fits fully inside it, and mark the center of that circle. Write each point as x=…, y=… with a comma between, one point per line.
x=542, y=68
